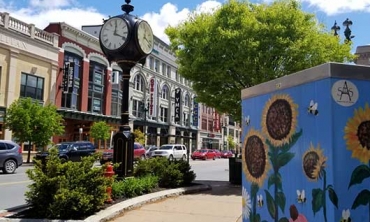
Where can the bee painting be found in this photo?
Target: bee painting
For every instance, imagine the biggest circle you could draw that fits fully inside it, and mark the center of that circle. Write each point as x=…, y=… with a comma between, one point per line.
x=301, y=196
x=346, y=216
x=260, y=200
x=313, y=108
x=247, y=120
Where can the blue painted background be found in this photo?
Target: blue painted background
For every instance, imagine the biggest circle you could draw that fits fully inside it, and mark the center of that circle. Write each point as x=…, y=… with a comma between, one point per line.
x=326, y=129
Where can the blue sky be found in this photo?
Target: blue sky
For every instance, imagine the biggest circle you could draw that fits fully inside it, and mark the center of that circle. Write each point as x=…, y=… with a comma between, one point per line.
x=161, y=13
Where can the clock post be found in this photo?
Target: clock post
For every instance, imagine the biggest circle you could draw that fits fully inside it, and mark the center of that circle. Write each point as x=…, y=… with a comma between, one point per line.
x=126, y=40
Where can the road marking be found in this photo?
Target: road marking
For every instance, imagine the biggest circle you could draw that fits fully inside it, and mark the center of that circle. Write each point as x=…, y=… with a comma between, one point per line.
x=18, y=182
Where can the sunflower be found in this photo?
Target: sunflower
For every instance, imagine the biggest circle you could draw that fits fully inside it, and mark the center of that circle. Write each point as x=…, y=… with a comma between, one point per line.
x=357, y=134
x=255, y=158
x=313, y=162
x=246, y=203
x=279, y=119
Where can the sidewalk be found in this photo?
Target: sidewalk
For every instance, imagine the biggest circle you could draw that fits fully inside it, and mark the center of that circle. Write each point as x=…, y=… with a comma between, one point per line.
x=221, y=204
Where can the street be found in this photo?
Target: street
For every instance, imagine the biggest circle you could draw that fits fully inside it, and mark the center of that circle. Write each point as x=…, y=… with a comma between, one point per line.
x=14, y=186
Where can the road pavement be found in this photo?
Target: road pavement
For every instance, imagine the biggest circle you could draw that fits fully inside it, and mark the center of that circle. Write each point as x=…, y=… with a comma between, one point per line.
x=14, y=186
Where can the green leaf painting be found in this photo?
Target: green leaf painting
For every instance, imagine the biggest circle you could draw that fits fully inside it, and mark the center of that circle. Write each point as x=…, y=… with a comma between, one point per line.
x=363, y=198
x=284, y=158
x=277, y=180
x=317, y=199
x=270, y=204
x=283, y=219
x=333, y=196
x=359, y=174
x=281, y=200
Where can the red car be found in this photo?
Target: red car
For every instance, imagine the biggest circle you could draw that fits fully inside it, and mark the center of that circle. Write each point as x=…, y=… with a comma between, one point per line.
x=139, y=153
x=218, y=153
x=203, y=154
x=226, y=154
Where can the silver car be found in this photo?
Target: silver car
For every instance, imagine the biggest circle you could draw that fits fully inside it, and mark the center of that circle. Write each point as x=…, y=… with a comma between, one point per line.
x=10, y=156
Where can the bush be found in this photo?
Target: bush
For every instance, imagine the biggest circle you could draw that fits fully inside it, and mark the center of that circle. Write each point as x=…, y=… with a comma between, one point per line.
x=70, y=190
x=132, y=187
x=170, y=174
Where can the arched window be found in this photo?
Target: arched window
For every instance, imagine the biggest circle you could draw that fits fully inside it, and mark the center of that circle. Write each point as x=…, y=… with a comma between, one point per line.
x=165, y=92
x=139, y=83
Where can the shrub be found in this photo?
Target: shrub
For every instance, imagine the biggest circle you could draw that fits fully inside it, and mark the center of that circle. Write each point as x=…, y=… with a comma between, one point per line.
x=152, y=166
x=70, y=190
x=170, y=174
x=132, y=187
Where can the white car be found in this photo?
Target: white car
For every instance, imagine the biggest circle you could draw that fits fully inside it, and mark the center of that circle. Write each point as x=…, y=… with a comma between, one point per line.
x=171, y=151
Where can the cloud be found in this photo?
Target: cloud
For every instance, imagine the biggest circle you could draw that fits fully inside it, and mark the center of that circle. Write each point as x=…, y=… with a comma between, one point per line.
x=171, y=15
x=43, y=12
x=332, y=7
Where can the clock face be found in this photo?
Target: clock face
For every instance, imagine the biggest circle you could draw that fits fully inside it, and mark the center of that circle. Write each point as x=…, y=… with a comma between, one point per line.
x=114, y=33
x=145, y=37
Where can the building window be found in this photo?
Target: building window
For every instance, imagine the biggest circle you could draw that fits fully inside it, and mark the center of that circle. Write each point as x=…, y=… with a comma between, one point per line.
x=210, y=125
x=156, y=65
x=204, y=124
x=138, y=108
x=96, y=99
x=151, y=63
x=32, y=86
x=187, y=100
x=116, y=102
x=164, y=69
x=164, y=114
x=169, y=71
x=139, y=83
x=177, y=76
x=71, y=99
x=165, y=92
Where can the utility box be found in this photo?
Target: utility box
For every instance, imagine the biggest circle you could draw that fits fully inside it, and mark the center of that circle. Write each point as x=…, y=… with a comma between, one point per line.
x=306, y=146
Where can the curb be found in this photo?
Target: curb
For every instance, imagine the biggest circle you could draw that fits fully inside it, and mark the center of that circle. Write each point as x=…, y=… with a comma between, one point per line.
x=119, y=208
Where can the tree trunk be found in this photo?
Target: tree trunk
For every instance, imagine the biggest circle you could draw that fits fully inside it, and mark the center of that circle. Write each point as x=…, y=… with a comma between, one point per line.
x=29, y=153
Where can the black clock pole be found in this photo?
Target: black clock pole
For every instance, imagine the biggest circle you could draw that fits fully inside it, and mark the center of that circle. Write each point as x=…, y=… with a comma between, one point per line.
x=126, y=56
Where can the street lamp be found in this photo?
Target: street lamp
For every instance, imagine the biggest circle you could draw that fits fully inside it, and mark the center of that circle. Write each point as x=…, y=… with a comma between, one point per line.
x=347, y=32
x=126, y=40
x=335, y=28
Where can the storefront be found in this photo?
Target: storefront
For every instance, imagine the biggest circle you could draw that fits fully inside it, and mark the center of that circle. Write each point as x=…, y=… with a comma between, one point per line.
x=210, y=140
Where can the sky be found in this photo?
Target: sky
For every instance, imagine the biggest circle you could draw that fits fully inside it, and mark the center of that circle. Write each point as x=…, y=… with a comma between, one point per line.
x=161, y=13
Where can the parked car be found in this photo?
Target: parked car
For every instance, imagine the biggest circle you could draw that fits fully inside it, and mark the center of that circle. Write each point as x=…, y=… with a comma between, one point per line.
x=218, y=153
x=150, y=151
x=226, y=154
x=70, y=151
x=139, y=153
x=171, y=151
x=203, y=154
x=10, y=156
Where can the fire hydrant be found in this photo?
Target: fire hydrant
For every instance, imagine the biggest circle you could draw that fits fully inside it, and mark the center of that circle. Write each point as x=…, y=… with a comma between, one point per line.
x=109, y=173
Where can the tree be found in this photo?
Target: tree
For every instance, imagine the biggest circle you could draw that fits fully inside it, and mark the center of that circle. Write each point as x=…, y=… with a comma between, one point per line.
x=243, y=44
x=100, y=131
x=139, y=136
x=31, y=122
x=231, y=142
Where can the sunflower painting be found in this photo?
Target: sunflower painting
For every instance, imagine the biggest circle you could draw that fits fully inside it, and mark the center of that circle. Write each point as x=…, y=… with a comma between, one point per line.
x=357, y=137
x=279, y=122
x=255, y=166
x=313, y=164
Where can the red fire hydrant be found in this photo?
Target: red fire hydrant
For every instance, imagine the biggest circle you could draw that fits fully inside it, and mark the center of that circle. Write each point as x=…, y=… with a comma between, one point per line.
x=109, y=173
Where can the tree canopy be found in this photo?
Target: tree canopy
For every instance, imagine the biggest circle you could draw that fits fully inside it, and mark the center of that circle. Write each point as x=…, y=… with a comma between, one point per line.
x=100, y=131
x=243, y=44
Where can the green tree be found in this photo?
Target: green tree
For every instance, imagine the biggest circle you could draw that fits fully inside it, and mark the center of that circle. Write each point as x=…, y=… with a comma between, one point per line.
x=231, y=142
x=31, y=122
x=243, y=44
x=139, y=136
x=100, y=131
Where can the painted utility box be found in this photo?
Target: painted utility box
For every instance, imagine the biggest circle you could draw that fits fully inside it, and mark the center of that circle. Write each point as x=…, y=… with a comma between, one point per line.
x=306, y=146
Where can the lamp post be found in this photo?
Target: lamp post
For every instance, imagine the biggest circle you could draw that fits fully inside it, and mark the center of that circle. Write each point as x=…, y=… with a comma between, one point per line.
x=347, y=32
x=126, y=40
x=335, y=28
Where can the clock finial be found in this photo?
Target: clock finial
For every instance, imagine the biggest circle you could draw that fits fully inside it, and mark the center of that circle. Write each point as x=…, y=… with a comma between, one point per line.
x=127, y=7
